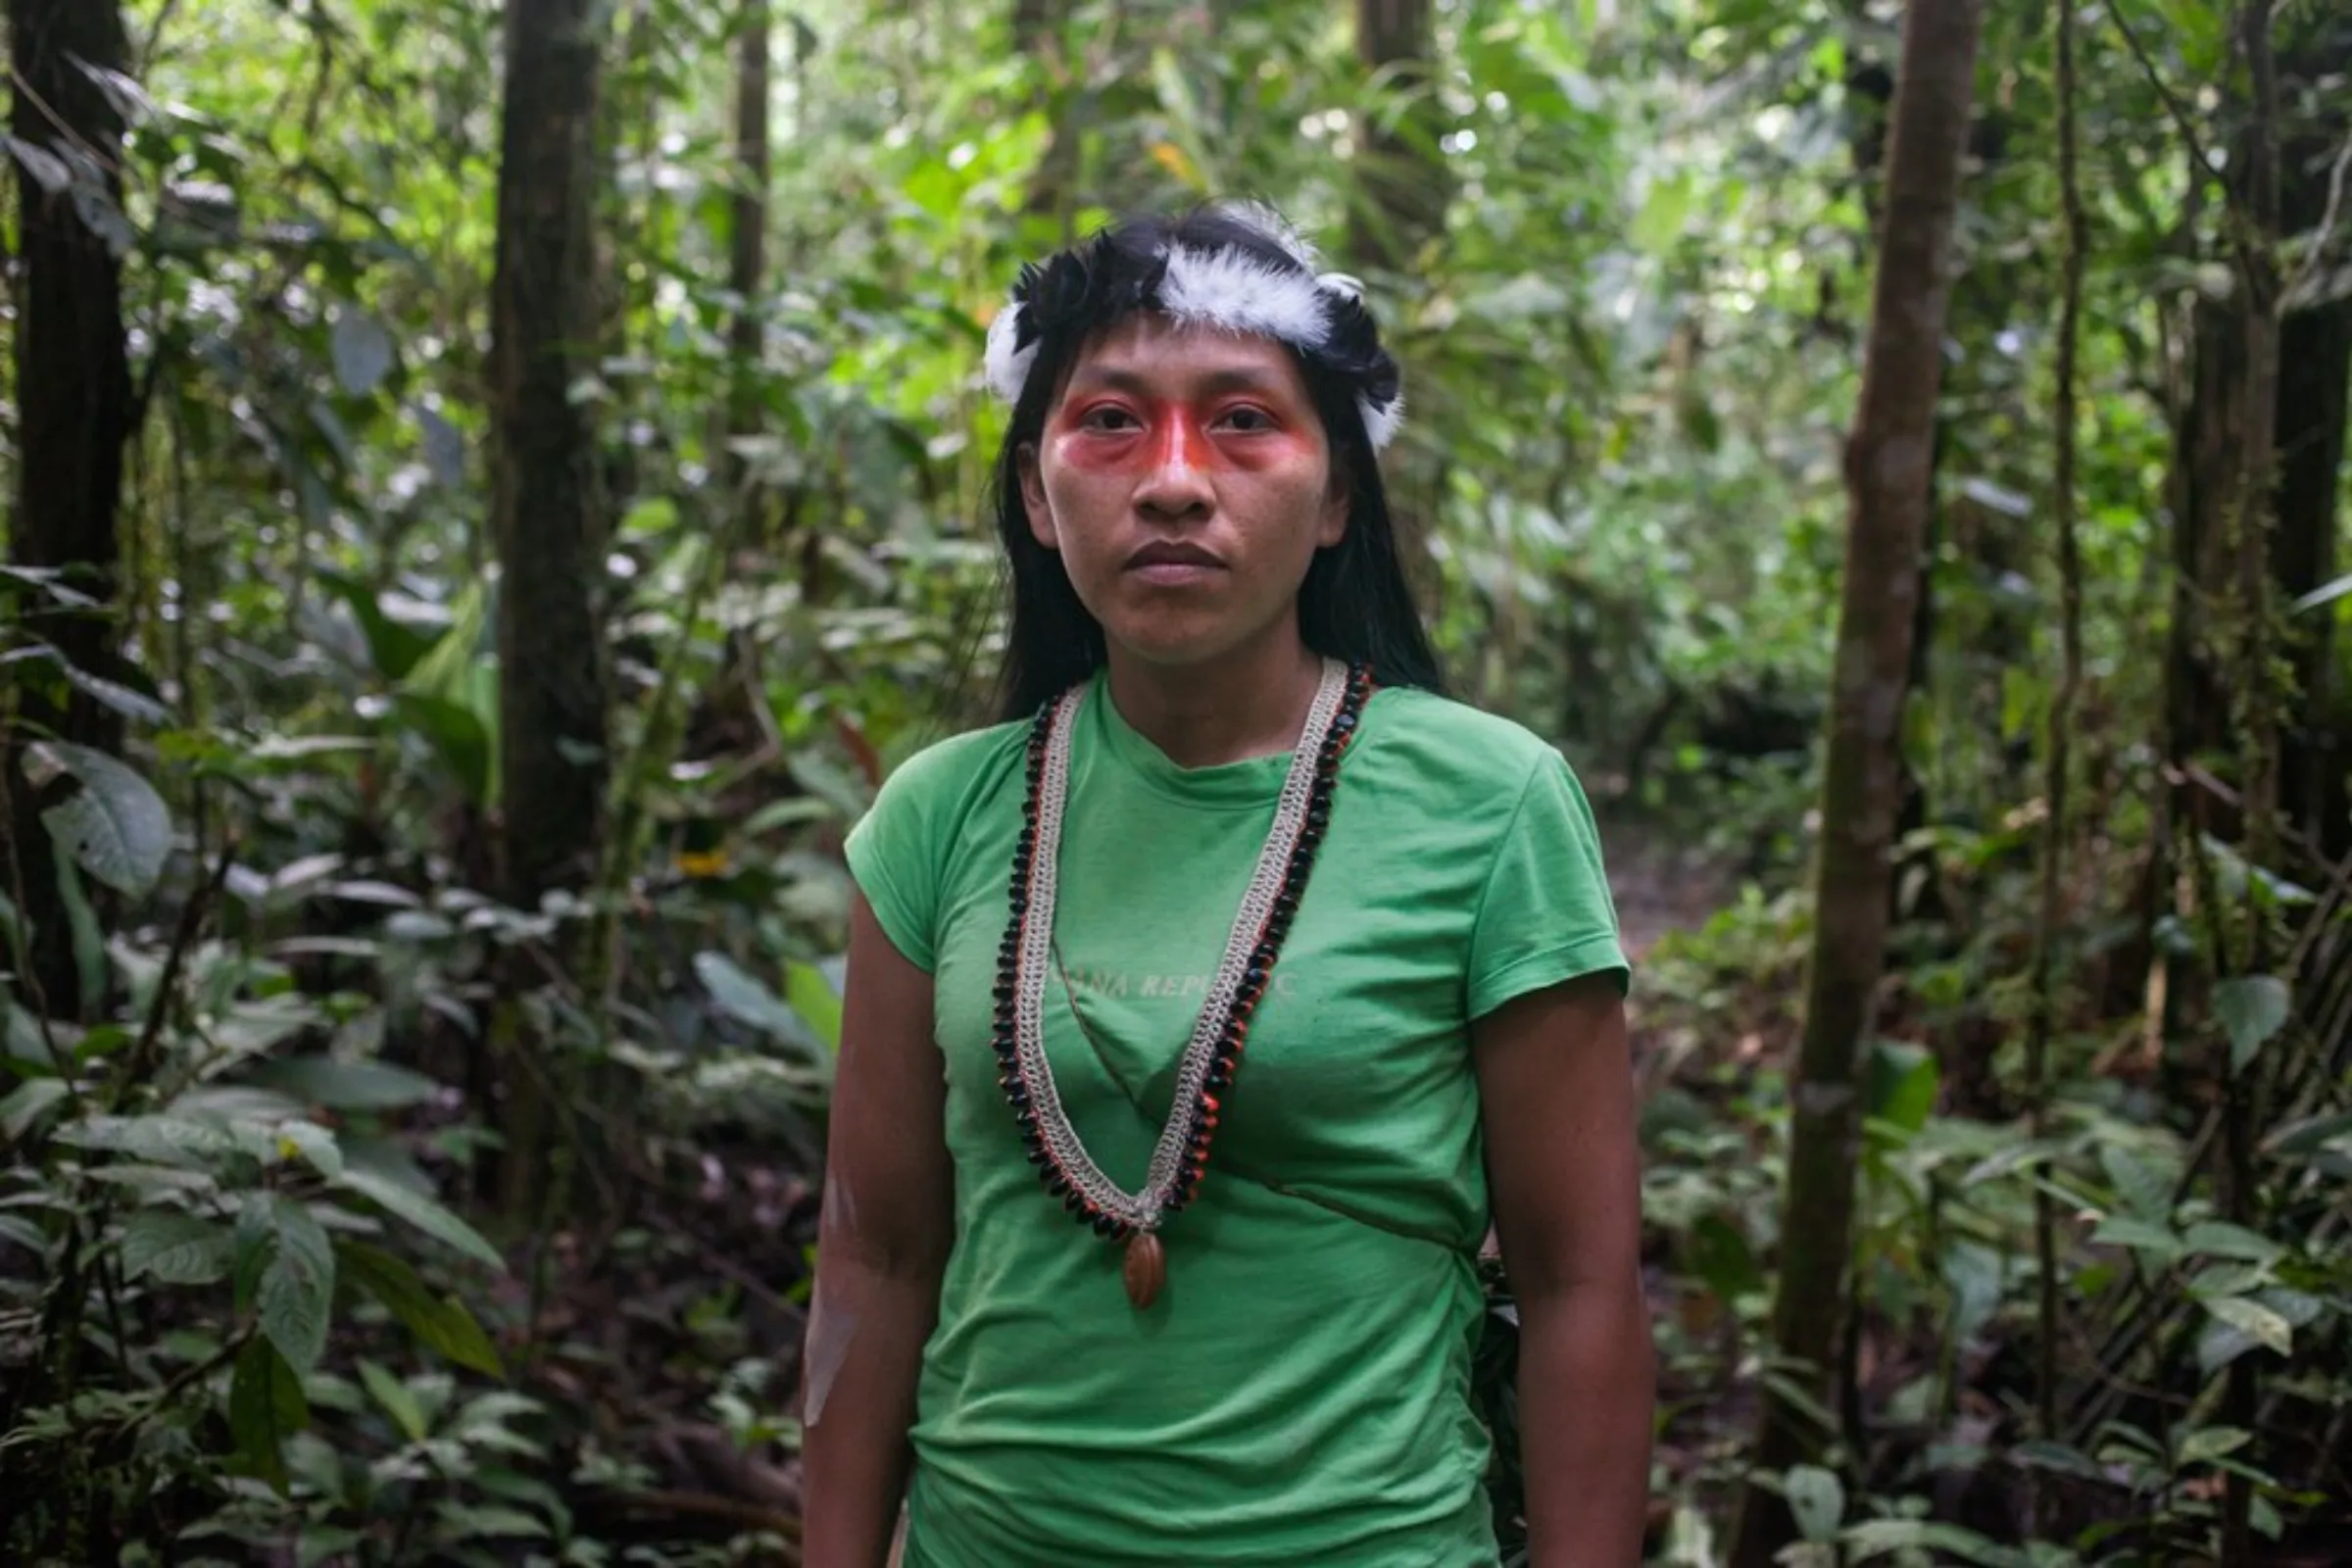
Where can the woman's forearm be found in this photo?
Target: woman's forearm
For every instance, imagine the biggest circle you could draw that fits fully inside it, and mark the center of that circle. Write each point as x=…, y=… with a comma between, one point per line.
x=1587, y=1393
x=866, y=1331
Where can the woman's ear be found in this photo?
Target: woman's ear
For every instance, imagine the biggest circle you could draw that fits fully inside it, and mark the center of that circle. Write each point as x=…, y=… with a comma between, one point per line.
x=1033, y=495
x=1331, y=526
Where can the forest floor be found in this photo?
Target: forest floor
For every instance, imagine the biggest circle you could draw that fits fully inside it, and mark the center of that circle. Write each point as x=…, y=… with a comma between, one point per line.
x=1659, y=881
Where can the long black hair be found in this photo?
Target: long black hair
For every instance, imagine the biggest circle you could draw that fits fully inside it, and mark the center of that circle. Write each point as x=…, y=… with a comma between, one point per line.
x=1355, y=603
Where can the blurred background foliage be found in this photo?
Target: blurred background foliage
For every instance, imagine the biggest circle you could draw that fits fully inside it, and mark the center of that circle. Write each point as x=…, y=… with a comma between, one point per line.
x=303, y=1015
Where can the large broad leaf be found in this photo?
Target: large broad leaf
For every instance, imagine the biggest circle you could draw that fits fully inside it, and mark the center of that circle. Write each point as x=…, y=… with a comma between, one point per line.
x=363, y=351
x=1875, y=1536
x=422, y=1212
x=742, y=998
x=442, y=1323
x=457, y=736
x=1903, y=1082
x=398, y=1400
x=171, y=1140
x=2261, y=1323
x=27, y=1103
x=2252, y=1007
x=1817, y=1500
x=48, y=170
x=394, y=643
x=347, y=1085
x=298, y=1288
x=175, y=1247
x=115, y=826
x=266, y=1407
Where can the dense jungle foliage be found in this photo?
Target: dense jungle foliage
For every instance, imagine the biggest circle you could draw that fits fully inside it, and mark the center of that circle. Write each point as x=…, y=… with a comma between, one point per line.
x=493, y=489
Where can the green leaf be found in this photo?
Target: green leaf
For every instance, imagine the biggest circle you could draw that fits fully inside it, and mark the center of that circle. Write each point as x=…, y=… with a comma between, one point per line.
x=422, y=1212
x=312, y=1144
x=175, y=1140
x=1873, y=1537
x=48, y=170
x=266, y=1407
x=2215, y=1239
x=2059, y=1456
x=175, y=1247
x=742, y=998
x=2143, y=1190
x=1817, y=1499
x=2263, y=1325
x=1718, y=1254
x=2207, y=1444
x=1903, y=1082
x=363, y=351
x=127, y=701
x=347, y=1085
x=812, y=995
x=444, y=448
x=398, y=1401
x=27, y=1103
x=297, y=1289
x=115, y=826
x=2120, y=1229
x=2252, y=1007
x=457, y=736
x=256, y=1244
x=442, y=1324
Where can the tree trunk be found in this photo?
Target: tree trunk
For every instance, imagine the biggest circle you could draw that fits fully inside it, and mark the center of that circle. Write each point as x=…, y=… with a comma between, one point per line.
x=75, y=412
x=1887, y=465
x=746, y=268
x=2315, y=370
x=552, y=662
x=1400, y=202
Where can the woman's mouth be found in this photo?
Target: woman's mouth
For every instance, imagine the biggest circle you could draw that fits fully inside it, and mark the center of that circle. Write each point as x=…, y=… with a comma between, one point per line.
x=1173, y=562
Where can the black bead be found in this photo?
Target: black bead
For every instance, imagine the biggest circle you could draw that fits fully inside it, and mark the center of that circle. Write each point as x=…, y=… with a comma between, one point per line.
x=1073, y=1201
x=1105, y=1224
x=1056, y=1183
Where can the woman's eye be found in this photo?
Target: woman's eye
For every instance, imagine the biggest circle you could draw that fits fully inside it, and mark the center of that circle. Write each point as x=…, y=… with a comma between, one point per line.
x=1247, y=418
x=1106, y=417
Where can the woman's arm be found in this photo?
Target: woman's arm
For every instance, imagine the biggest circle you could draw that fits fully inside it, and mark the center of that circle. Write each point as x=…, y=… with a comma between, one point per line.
x=1563, y=1159
x=883, y=1239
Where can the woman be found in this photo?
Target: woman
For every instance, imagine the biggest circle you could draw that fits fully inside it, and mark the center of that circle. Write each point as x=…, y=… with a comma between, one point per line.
x=1200, y=1011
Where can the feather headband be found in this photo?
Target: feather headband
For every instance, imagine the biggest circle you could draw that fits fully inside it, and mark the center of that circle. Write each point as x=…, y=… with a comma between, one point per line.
x=1319, y=314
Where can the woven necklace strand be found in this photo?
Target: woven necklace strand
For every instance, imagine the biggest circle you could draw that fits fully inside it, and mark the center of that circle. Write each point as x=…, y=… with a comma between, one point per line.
x=1213, y=1053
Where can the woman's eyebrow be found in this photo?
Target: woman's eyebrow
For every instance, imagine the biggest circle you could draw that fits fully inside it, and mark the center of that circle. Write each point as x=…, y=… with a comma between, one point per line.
x=1137, y=383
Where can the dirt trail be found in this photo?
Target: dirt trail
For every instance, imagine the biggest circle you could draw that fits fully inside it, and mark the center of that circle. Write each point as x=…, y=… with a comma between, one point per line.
x=1659, y=885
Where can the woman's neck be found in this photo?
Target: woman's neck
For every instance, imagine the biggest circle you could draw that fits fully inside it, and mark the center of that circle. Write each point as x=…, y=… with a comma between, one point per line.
x=1249, y=702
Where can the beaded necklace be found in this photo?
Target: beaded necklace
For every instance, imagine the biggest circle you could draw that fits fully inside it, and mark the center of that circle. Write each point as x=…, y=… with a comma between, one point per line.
x=1211, y=1057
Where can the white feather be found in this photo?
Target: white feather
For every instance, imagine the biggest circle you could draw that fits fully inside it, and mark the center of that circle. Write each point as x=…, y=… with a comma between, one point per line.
x=1235, y=292
x=1381, y=420
x=1278, y=228
x=1006, y=370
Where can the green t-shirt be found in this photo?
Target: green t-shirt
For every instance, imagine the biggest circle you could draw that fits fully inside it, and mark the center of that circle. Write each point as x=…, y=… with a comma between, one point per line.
x=1300, y=1393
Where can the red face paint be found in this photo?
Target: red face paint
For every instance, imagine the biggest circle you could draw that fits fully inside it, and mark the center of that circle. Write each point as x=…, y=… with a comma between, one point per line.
x=1131, y=433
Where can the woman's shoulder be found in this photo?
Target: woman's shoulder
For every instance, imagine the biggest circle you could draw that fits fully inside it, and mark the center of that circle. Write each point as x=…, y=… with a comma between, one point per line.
x=954, y=766
x=1454, y=746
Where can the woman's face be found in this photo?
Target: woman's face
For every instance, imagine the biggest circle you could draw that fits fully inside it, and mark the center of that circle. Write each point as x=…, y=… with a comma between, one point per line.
x=1186, y=481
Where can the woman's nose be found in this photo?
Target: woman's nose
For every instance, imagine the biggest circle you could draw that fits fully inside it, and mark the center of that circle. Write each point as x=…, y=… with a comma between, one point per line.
x=1177, y=478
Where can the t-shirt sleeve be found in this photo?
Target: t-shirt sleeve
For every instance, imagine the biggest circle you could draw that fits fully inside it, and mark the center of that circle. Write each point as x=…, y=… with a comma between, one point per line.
x=897, y=854
x=1545, y=915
